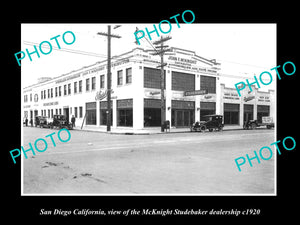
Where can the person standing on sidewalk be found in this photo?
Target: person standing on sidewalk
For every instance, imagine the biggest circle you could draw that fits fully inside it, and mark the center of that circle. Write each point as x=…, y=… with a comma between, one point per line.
x=73, y=121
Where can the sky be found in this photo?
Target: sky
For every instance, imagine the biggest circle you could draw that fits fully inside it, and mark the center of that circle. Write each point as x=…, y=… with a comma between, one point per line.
x=242, y=49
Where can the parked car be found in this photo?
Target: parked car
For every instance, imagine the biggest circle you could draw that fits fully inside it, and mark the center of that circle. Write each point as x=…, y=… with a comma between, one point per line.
x=42, y=122
x=252, y=124
x=212, y=122
x=60, y=121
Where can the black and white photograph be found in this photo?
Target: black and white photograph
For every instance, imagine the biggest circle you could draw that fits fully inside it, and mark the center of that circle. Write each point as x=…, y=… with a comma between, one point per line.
x=187, y=109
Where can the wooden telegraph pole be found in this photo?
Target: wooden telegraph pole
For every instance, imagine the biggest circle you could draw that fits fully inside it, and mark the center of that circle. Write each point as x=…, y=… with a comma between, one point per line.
x=161, y=49
x=109, y=35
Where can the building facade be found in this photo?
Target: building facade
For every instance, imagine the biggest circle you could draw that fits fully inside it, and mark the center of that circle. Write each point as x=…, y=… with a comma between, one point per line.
x=136, y=92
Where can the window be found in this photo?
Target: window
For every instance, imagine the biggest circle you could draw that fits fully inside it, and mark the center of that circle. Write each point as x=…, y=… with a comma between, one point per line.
x=75, y=87
x=129, y=76
x=93, y=83
x=25, y=98
x=120, y=77
x=56, y=111
x=56, y=92
x=69, y=89
x=51, y=92
x=183, y=81
x=75, y=109
x=41, y=94
x=59, y=91
x=125, y=112
x=104, y=113
x=152, y=78
x=48, y=93
x=44, y=94
x=65, y=89
x=80, y=86
x=87, y=84
x=231, y=113
x=102, y=81
x=208, y=83
x=90, y=118
x=80, y=111
x=31, y=97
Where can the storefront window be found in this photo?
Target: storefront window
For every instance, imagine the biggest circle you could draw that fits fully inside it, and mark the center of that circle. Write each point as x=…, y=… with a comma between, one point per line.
x=231, y=113
x=248, y=112
x=152, y=112
x=207, y=108
x=262, y=110
x=91, y=113
x=124, y=112
x=103, y=113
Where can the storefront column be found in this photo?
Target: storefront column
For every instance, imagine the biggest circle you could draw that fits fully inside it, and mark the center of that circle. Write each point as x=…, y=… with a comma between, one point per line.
x=197, y=98
x=219, y=97
x=98, y=113
x=138, y=111
x=255, y=109
x=241, y=121
x=272, y=104
x=115, y=113
x=138, y=98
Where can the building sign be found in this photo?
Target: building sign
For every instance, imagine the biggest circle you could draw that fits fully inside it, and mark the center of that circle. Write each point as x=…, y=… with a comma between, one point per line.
x=249, y=98
x=50, y=103
x=197, y=92
x=264, y=99
x=231, y=95
x=179, y=60
x=100, y=95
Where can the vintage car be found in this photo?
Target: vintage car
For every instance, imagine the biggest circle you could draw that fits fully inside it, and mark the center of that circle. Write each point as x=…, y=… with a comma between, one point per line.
x=252, y=124
x=42, y=121
x=212, y=122
x=60, y=121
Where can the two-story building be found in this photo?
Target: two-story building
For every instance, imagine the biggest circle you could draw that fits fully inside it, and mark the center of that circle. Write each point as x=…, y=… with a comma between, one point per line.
x=192, y=89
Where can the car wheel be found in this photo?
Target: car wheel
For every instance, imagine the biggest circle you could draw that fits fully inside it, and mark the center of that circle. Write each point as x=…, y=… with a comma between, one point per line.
x=202, y=128
x=210, y=129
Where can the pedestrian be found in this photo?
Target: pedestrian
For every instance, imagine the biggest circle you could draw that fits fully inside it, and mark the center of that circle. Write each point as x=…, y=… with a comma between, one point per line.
x=73, y=121
x=31, y=122
x=26, y=122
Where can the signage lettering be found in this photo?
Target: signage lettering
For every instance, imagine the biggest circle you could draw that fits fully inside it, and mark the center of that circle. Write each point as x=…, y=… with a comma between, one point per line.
x=197, y=92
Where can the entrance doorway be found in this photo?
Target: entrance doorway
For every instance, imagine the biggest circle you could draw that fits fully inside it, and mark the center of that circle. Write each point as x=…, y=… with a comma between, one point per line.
x=66, y=113
x=182, y=118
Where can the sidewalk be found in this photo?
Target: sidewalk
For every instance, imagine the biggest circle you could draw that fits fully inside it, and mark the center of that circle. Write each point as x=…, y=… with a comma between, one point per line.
x=145, y=131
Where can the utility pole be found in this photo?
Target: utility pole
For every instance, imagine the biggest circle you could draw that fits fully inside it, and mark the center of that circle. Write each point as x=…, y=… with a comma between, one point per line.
x=161, y=51
x=109, y=35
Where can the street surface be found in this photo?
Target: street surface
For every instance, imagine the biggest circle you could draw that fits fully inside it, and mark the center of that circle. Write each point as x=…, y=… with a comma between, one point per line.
x=160, y=164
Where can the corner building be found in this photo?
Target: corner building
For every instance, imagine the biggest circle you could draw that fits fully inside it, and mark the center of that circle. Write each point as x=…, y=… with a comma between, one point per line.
x=136, y=93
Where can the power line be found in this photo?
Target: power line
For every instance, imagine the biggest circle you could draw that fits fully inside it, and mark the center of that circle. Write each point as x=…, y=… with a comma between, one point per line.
x=68, y=50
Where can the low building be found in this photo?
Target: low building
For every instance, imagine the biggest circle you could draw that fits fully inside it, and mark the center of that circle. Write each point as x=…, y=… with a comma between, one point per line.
x=192, y=90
